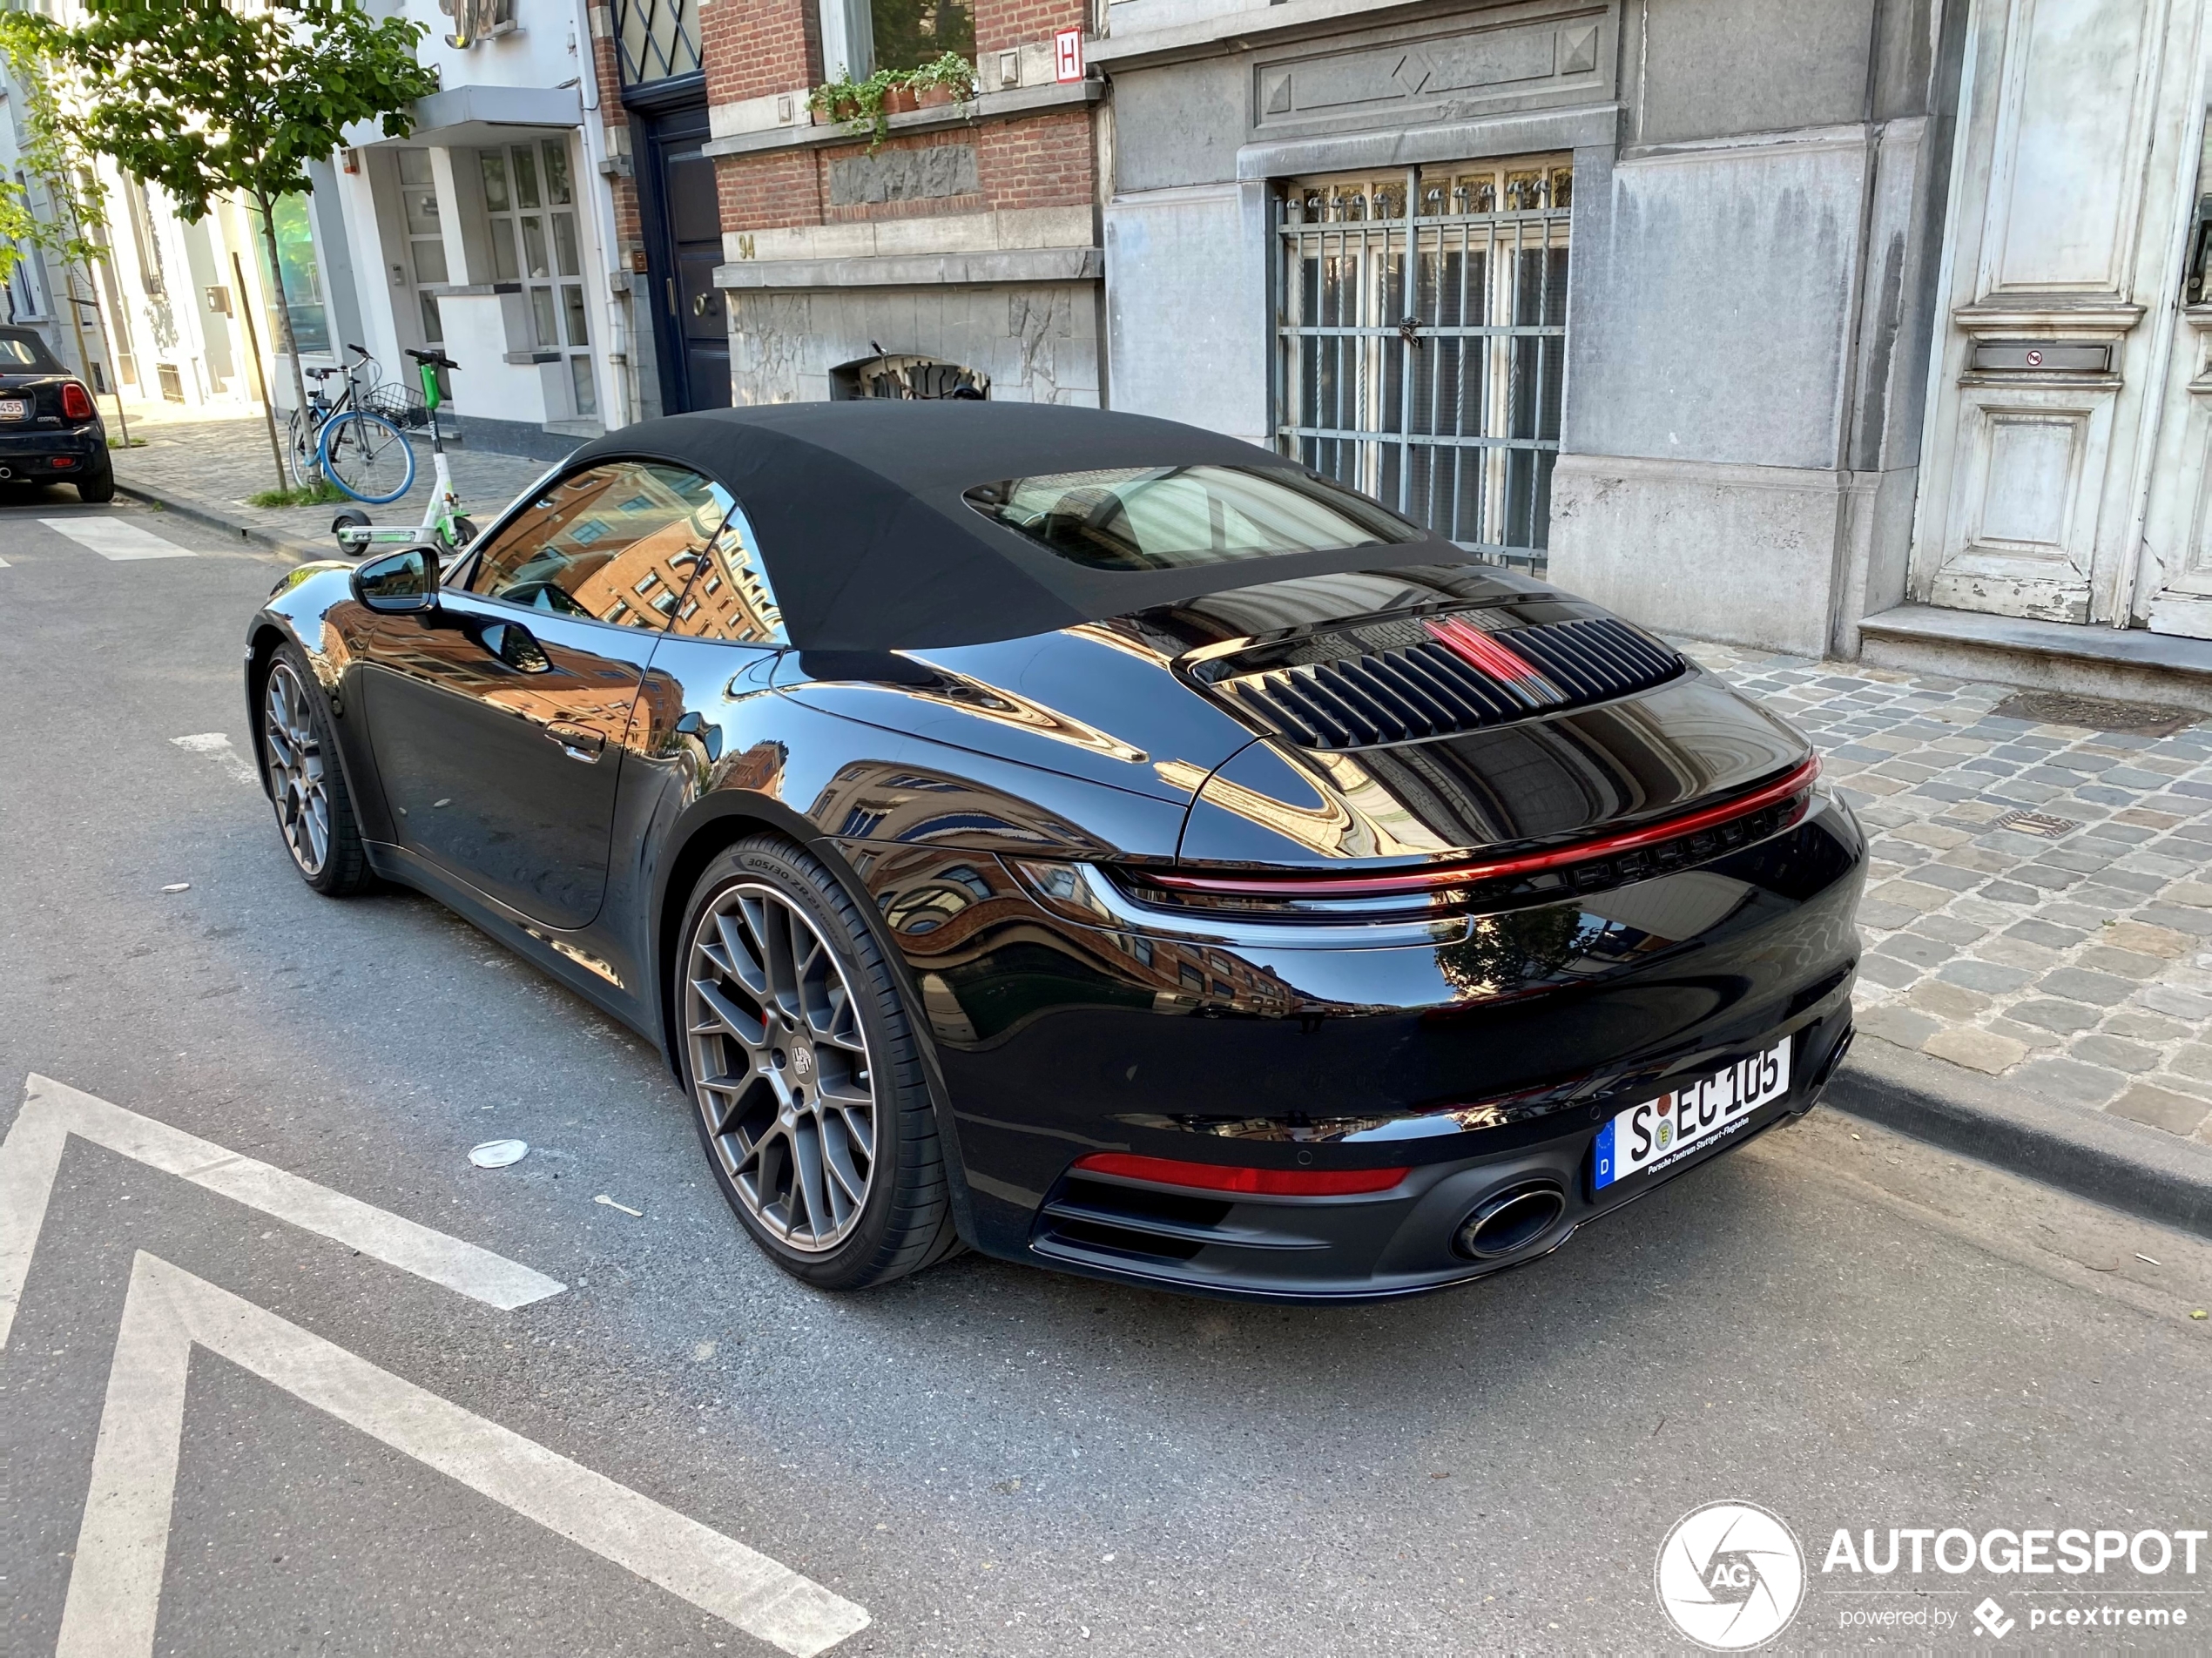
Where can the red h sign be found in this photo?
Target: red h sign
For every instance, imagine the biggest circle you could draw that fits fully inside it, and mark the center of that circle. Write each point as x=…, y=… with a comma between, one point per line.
x=1068, y=55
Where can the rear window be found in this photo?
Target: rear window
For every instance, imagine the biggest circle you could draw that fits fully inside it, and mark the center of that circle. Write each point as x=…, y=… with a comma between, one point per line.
x=20, y=350
x=1150, y=518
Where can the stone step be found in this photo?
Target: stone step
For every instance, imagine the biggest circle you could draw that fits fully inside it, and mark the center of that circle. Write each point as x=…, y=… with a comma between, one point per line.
x=2127, y=665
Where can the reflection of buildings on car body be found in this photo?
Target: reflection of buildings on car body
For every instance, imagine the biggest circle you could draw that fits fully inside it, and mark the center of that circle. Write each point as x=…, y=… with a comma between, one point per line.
x=988, y=954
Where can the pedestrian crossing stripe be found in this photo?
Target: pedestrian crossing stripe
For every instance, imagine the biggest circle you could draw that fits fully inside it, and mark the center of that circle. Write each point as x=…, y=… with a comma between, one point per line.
x=115, y=538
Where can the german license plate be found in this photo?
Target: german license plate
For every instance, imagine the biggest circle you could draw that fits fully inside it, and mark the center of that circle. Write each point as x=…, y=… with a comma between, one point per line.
x=14, y=408
x=1650, y=1136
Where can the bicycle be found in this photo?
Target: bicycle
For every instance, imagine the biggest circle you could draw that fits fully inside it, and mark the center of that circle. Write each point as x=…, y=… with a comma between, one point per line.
x=364, y=453
x=444, y=521
x=303, y=427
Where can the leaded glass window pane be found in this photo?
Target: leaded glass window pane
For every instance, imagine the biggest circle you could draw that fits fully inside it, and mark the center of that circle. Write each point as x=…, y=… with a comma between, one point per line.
x=657, y=39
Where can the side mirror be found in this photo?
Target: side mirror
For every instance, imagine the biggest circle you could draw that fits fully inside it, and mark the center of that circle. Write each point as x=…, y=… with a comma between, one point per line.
x=399, y=584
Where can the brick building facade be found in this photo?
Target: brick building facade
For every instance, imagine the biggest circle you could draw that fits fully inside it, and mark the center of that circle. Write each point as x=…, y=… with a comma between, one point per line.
x=778, y=259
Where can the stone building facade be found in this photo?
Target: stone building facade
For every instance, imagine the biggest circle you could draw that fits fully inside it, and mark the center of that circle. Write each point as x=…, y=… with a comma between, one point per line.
x=1661, y=328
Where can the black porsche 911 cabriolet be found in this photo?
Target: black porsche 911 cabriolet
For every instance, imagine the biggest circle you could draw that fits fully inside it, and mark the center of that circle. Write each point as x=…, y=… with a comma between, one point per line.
x=1084, y=837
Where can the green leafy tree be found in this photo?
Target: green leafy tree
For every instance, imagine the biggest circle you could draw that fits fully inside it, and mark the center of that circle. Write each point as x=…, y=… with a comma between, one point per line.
x=213, y=97
x=16, y=225
x=63, y=211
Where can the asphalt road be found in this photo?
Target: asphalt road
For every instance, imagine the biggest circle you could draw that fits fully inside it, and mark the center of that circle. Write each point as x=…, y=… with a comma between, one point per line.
x=1846, y=1328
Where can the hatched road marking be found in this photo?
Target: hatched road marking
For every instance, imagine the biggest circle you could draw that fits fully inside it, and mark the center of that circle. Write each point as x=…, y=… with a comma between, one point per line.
x=31, y=1156
x=114, y=1597
x=115, y=1586
x=116, y=538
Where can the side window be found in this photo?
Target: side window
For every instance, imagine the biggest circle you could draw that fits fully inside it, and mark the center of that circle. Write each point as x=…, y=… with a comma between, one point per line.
x=614, y=542
x=730, y=598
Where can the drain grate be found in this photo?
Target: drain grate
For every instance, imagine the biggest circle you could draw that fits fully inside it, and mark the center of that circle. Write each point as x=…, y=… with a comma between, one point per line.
x=2094, y=713
x=2037, y=823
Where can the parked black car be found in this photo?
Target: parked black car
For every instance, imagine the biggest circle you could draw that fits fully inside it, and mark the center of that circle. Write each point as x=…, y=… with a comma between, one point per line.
x=50, y=430
x=1086, y=838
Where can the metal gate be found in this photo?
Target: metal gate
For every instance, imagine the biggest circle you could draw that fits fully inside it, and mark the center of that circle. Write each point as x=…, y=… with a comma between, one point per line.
x=1432, y=383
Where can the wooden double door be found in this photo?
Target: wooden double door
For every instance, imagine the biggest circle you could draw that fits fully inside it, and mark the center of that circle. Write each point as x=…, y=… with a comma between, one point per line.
x=2070, y=424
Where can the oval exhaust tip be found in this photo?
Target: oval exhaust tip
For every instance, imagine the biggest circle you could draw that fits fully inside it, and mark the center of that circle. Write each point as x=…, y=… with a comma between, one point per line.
x=1510, y=1220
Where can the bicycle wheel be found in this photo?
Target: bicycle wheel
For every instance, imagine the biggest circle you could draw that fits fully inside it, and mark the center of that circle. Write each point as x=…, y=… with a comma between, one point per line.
x=368, y=457
x=299, y=449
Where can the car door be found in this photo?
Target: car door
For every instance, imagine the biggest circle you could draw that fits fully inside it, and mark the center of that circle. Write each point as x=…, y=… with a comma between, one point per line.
x=499, y=720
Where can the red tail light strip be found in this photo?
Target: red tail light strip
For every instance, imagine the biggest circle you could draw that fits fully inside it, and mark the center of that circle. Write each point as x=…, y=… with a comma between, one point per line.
x=1490, y=656
x=1426, y=881
x=1213, y=1176
x=77, y=402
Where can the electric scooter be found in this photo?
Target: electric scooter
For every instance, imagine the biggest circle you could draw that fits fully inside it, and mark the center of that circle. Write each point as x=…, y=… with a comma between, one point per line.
x=445, y=523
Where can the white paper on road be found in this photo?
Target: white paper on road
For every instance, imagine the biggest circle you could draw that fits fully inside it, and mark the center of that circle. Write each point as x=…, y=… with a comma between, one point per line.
x=116, y=538
x=53, y=1111
x=115, y=1584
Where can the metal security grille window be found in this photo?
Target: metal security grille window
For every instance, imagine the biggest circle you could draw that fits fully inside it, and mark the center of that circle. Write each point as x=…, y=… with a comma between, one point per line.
x=1432, y=382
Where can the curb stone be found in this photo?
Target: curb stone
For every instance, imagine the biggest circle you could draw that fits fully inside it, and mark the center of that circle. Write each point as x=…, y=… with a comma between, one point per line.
x=202, y=513
x=2127, y=1166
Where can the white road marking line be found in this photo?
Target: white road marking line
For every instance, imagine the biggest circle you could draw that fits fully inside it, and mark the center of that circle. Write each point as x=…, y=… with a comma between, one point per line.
x=5, y=565
x=116, y=538
x=114, y=1598
x=218, y=744
x=31, y=1154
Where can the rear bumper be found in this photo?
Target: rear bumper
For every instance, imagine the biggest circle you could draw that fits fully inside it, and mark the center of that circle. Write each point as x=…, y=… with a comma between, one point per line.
x=1475, y=1063
x=60, y=453
x=1403, y=1241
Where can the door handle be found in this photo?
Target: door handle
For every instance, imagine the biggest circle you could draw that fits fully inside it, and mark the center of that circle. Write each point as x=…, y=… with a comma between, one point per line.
x=577, y=742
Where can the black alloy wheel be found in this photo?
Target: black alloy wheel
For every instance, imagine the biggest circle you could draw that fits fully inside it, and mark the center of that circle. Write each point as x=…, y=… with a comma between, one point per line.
x=804, y=1066
x=299, y=761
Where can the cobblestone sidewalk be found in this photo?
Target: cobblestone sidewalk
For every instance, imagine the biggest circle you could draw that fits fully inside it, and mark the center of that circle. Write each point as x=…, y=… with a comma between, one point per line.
x=2039, y=907
x=209, y=467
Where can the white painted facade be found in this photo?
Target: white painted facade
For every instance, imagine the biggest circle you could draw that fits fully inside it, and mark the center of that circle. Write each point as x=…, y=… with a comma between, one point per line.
x=528, y=293
x=541, y=337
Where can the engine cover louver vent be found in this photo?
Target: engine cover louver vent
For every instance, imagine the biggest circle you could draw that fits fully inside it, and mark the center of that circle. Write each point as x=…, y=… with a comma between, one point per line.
x=1463, y=676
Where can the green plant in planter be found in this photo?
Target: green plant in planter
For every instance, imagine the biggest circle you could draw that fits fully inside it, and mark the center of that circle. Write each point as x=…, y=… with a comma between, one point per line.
x=863, y=102
x=859, y=103
x=838, y=100
x=947, y=72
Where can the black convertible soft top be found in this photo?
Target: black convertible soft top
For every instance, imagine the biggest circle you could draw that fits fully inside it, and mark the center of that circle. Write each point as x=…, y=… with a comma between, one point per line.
x=858, y=508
